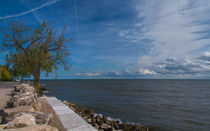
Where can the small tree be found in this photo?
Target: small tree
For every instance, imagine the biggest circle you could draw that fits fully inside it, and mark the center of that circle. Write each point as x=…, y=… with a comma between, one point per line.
x=41, y=47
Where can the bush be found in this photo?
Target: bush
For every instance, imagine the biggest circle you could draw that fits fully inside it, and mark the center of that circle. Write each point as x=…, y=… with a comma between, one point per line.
x=5, y=75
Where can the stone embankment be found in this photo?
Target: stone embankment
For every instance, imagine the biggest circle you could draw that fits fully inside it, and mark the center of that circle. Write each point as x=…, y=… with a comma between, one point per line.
x=23, y=112
x=102, y=123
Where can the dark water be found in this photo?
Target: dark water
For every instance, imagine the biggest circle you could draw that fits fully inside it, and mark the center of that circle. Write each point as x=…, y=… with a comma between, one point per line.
x=165, y=104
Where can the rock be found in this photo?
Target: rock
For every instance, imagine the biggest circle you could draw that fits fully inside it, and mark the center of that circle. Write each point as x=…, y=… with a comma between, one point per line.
x=65, y=102
x=105, y=126
x=137, y=127
x=113, y=129
x=23, y=99
x=41, y=118
x=89, y=113
x=127, y=127
x=20, y=86
x=37, y=106
x=105, y=119
x=2, y=126
x=34, y=128
x=143, y=128
x=110, y=129
x=16, y=110
x=85, y=117
x=116, y=124
x=96, y=126
x=21, y=121
x=80, y=110
x=16, y=93
x=27, y=89
x=73, y=108
x=24, y=84
x=93, y=120
x=98, y=118
x=100, y=122
x=10, y=112
x=89, y=120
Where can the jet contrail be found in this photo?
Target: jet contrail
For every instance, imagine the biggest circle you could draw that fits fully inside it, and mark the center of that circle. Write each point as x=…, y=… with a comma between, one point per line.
x=29, y=11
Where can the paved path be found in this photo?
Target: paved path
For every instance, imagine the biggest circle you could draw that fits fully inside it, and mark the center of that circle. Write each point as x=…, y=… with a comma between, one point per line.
x=5, y=89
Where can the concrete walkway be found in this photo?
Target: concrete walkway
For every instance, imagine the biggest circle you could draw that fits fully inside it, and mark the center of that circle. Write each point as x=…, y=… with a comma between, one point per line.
x=70, y=120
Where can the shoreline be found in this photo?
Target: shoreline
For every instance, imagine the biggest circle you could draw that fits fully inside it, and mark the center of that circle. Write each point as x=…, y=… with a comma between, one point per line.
x=105, y=123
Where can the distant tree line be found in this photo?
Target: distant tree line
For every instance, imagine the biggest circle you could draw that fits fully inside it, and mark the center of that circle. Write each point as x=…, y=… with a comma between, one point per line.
x=34, y=50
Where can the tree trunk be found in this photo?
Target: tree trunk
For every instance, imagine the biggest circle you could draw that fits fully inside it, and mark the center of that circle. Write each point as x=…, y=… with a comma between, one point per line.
x=37, y=80
x=21, y=79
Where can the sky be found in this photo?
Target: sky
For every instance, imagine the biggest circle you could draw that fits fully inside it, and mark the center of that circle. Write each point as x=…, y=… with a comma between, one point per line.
x=117, y=39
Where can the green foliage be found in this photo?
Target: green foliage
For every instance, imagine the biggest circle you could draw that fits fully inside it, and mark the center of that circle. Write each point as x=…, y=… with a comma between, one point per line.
x=20, y=68
x=38, y=87
x=5, y=75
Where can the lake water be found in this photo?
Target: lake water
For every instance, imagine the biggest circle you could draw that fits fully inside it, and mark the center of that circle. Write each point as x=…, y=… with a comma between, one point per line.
x=179, y=105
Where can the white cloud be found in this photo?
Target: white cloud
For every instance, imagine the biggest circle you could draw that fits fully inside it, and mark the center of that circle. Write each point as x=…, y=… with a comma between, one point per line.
x=172, y=28
x=147, y=72
x=206, y=54
x=117, y=74
x=89, y=74
x=29, y=11
x=176, y=30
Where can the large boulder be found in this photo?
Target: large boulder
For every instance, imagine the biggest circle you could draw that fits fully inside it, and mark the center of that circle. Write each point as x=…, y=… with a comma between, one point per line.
x=2, y=126
x=27, y=89
x=20, y=86
x=21, y=121
x=37, y=106
x=105, y=126
x=33, y=128
x=9, y=113
x=23, y=99
x=41, y=118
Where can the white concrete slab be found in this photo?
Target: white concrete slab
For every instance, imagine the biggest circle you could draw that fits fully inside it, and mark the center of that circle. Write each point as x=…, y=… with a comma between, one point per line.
x=70, y=120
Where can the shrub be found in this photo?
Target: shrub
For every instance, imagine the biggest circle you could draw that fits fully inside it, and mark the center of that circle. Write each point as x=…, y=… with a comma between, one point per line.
x=5, y=75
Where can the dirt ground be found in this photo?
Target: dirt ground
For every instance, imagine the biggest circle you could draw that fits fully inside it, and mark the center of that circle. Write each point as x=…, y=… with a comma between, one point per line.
x=5, y=90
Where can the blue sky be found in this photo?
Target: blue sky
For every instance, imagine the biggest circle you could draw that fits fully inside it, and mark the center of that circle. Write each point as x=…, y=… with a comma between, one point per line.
x=125, y=38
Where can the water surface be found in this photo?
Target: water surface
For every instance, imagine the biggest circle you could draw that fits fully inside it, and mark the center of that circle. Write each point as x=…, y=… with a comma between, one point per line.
x=180, y=105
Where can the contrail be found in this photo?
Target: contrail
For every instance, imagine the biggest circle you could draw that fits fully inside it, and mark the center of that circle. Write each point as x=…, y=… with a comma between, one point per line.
x=29, y=11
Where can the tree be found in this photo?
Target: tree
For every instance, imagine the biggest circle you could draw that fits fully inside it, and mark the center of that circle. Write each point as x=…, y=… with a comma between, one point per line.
x=41, y=47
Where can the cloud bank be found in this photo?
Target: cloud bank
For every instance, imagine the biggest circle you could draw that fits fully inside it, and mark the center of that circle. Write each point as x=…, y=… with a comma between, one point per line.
x=170, y=68
x=177, y=34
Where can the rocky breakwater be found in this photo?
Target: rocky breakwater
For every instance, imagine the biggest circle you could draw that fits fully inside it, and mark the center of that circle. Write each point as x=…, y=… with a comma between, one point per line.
x=23, y=112
x=102, y=123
